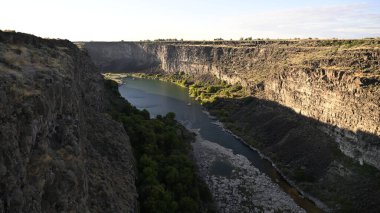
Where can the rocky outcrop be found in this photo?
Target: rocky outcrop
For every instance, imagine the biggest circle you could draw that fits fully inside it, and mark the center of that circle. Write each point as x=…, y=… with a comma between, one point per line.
x=60, y=151
x=334, y=82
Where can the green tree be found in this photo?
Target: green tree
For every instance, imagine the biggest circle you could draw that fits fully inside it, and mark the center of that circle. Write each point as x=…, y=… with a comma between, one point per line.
x=188, y=205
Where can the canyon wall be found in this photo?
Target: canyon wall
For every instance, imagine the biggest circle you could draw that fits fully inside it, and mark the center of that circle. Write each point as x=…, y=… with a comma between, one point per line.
x=57, y=153
x=120, y=56
x=336, y=82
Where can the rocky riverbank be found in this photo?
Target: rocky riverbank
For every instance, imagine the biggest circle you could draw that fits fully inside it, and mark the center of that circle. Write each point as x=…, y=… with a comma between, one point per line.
x=236, y=184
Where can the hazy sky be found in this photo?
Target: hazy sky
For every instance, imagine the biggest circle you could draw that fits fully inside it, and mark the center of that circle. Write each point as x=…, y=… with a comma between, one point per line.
x=107, y=20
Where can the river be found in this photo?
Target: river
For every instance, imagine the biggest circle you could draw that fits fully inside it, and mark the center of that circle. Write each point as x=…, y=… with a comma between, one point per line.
x=240, y=180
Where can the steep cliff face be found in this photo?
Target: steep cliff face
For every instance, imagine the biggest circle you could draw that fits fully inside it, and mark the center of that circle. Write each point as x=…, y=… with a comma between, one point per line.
x=348, y=102
x=120, y=56
x=57, y=153
x=334, y=82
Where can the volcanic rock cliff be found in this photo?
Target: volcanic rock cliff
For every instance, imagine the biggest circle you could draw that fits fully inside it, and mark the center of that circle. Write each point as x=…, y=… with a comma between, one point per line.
x=335, y=82
x=57, y=153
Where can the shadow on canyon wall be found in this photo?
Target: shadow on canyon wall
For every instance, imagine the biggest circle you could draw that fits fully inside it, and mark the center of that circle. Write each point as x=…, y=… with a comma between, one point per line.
x=120, y=56
x=120, y=65
x=306, y=151
x=135, y=57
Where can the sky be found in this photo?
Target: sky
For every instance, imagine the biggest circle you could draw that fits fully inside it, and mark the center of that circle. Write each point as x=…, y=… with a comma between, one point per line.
x=134, y=20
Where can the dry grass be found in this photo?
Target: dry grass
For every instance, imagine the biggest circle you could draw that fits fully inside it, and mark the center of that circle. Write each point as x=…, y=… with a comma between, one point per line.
x=46, y=158
x=20, y=92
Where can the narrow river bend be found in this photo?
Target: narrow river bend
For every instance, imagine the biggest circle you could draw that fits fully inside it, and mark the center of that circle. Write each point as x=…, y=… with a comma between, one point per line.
x=240, y=180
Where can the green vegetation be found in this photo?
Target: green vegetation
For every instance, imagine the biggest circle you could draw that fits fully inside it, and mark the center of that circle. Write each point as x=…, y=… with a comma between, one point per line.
x=216, y=96
x=167, y=177
x=210, y=93
x=206, y=92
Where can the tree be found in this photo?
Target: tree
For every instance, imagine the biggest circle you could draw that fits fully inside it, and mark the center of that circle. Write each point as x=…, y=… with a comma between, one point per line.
x=187, y=205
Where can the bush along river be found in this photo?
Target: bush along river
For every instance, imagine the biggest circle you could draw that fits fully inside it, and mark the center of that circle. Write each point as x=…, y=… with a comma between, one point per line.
x=238, y=177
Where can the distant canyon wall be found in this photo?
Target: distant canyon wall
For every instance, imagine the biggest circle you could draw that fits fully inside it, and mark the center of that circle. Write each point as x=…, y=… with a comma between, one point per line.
x=334, y=82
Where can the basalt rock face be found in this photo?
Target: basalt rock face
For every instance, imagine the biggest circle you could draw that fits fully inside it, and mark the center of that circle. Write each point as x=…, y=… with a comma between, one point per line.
x=340, y=99
x=334, y=82
x=60, y=151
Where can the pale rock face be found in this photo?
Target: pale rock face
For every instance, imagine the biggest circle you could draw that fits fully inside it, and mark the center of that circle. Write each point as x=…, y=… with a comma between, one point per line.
x=336, y=85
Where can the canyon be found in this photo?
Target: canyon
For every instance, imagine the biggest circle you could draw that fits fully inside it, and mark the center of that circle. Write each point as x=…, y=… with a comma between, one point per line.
x=334, y=83
x=313, y=105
